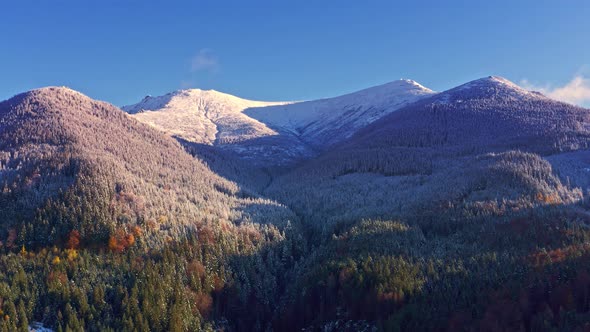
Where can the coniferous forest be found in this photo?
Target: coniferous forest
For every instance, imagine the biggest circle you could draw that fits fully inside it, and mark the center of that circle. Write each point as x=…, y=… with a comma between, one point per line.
x=425, y=220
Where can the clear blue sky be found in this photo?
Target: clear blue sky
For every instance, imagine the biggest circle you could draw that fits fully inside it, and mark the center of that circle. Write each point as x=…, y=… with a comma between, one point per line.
x=120, y=51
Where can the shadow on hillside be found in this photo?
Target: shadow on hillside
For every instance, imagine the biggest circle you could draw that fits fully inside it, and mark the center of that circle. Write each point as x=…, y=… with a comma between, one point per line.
x=274, y=153
x=229, y=165
x=388, y=273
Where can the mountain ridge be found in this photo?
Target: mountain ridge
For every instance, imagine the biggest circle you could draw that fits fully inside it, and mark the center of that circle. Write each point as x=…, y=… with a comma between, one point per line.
x=328, y=121
x=251, y=130
x=484, y=112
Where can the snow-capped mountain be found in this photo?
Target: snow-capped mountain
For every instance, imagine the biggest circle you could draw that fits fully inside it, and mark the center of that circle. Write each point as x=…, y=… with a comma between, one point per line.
x=214, y=118
x=325, y=122
x=202, y=116
x=272, y=132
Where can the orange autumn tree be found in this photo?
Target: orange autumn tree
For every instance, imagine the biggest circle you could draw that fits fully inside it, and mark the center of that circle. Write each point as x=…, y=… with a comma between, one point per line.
x=121, y=240
x=73, y=240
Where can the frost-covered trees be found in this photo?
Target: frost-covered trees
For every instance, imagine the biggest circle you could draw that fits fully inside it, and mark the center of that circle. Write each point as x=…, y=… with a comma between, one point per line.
x=71, y=163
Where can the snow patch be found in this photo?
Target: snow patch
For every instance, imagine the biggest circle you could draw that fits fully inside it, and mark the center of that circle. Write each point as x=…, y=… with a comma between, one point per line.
x=38, y=327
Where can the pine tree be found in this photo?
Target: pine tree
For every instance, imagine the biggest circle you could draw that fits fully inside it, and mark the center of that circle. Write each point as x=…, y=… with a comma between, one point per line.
x=23, y=322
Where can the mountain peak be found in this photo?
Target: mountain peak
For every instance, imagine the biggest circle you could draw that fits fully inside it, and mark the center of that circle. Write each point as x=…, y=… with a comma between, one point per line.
x=51, y=90
x=206, y=94
x=491, y=86
x=494, y=81
x=411, y=83
x=398, y=86
x=50, y=96
x=484, y=114
x=199, y=91
x=54, y=99
x=498, y=80
x=491, y=81
x=188, y=98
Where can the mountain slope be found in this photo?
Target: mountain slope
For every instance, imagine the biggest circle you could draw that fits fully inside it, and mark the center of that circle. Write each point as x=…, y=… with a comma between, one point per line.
x=69, y=162
x=214, y=118
x=485, y=114
x=482, y=176
x=201, y=116
x=475, y=150
x=324, y=122
x=271, y=133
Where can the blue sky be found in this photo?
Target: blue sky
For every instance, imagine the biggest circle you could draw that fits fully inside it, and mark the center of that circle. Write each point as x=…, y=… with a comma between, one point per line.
x=120, y=51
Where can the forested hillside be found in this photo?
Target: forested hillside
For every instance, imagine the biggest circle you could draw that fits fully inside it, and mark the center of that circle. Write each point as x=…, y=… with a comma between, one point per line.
x=71, y=163
x=489, y=114
x=465, y=211
x=475, y=150
x=109, y=224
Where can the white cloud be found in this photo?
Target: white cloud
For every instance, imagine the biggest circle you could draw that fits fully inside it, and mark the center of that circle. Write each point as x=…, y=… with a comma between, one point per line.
x=576, y=91
x=187, y=84
x=205, y=59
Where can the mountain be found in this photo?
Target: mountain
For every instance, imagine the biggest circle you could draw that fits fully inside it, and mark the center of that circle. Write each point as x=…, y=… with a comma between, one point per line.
x=214, y=118
x=487, y=114
x=202, y=116
x=322, y=123
x=463, y=210
x=471, y=146
x=478, y=192
x=71, y=163
x=271, y=133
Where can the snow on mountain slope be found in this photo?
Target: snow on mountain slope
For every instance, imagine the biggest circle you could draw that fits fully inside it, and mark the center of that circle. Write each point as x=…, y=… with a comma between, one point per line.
x=328, y=121
x=202, y=116
x=214, y=118
x=271, y=132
